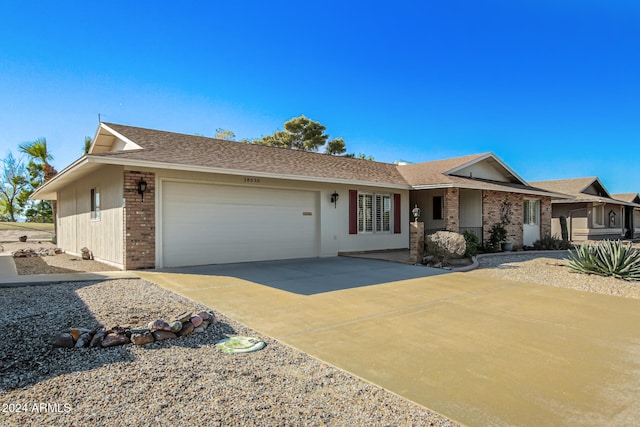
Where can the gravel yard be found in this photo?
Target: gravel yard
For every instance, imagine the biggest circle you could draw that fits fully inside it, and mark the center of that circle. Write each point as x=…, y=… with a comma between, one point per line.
x=551, y=270
x=184, y=381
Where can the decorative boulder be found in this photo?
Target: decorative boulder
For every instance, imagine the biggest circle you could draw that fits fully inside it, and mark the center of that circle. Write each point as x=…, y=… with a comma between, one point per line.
x=196, y=320
x=64, y=340
x=159, y=325
x=176, y=326
x=187, y=328
x=445, y=245
x=96, y=341
x=183, y=317
x=163, y=335
x=113, y=339
x=84, y=340
x=143, y=338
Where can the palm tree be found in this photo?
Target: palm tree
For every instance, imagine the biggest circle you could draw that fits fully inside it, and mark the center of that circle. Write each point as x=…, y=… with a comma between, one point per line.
x=40, y=169
x=87, y=144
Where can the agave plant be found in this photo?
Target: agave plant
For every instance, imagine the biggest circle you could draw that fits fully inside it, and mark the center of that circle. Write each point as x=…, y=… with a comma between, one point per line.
x=607, y=258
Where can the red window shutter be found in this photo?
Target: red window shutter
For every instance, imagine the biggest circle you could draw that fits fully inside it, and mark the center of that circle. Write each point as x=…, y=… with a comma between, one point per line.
x=353, y=212
x=397, y=209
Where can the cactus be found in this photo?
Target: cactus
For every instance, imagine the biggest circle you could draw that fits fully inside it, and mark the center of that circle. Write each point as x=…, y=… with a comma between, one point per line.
x=564, y=229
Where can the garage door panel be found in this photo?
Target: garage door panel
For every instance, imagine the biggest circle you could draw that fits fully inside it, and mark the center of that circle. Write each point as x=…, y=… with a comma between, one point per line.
x=207, y=224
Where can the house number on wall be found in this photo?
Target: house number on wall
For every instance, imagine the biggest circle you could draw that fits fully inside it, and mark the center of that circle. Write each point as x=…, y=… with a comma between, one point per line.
x=252, y=180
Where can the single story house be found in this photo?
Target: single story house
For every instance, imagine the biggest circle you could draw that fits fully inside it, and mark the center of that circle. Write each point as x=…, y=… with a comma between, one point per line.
x=144, y=198
x=472, y=193
x=591, y=213
x=631, y=214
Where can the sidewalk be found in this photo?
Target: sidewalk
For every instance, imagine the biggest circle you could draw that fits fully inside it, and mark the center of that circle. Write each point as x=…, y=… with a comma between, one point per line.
x=9, y=275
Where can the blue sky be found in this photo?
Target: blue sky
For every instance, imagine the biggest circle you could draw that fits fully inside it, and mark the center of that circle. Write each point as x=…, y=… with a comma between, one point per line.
x=551, y=87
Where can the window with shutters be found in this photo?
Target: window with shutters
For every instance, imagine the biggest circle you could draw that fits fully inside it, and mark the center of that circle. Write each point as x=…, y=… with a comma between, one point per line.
x=374, y=213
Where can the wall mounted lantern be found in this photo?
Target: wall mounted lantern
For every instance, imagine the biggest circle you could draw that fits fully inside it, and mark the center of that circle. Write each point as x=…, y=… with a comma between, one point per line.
x=334, y=199
x=416, y=213
x=142, y=187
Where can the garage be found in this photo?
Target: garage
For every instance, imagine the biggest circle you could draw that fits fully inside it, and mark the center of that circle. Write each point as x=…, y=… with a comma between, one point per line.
x=214, y=224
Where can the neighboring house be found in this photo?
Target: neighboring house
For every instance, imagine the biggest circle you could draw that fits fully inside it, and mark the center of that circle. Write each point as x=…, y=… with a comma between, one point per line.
x=631, y=214
x=591, y=213
x=214, y=201
x=472, y=193
x=145, y=198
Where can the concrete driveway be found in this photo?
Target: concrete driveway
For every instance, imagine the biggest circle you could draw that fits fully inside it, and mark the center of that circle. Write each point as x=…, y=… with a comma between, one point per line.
x=480, y=351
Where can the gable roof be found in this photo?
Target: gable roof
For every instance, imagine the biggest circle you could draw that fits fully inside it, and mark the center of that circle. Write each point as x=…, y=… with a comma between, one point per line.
x=190, y=150
x=627, y=197
x=576, y=187
x=130, y=146
x=455, y=172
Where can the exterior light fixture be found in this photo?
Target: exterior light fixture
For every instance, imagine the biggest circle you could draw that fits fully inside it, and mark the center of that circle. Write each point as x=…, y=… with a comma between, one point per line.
x=142, y=187
x=334, y=199
x=416, y=213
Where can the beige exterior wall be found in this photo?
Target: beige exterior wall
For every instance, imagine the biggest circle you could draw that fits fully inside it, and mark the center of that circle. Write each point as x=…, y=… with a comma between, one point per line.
x=76, y=229
x=580, y=221
x=424, y=200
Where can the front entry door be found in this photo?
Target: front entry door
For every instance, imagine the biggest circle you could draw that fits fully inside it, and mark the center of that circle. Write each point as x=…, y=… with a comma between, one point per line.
x=531, y=224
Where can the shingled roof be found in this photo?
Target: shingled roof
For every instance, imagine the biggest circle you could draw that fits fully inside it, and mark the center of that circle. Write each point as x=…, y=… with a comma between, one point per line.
x=442, y=173
x=575, y=187
x=190, y=150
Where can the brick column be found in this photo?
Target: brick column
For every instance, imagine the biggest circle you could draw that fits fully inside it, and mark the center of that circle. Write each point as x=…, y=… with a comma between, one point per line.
x=416, y=242
x=545, y=216
x=139, y=221
x=452, y=209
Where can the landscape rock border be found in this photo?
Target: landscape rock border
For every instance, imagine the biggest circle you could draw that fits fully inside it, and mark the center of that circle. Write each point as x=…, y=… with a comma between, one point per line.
x=157, y=330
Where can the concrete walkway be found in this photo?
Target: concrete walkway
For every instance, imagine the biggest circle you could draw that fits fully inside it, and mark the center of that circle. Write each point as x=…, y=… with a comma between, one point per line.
x=481, y=352
x=9, y=275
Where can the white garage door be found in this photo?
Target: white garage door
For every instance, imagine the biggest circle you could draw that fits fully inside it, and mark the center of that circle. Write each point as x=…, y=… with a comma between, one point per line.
x=211, y=224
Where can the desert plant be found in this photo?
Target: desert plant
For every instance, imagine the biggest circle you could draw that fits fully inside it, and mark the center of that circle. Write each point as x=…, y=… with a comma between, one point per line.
x=473, y=243
x=607, y=258
x=497, y=235
x=551, y=243
x=563, y=227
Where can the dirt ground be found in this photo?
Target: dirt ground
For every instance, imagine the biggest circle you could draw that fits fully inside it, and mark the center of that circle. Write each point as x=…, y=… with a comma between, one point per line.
x=62, y=263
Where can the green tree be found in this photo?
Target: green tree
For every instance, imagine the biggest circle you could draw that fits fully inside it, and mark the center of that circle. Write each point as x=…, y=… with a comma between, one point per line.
x=13, y=182
x=225, y=134
x=87, y=144
x=302, y=133
x=40, y=171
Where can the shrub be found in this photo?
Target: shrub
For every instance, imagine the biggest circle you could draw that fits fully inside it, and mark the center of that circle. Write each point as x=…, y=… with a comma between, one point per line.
x=444, y=245
x=497, y=235
x=607, y=258
x=473, y=243
x=552, y=243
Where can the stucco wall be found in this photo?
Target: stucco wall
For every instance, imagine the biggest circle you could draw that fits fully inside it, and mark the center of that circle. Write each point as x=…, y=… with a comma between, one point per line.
x=333, y=219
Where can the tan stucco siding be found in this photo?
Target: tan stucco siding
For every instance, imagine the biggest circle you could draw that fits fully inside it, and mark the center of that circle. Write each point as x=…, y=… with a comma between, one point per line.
x=76, y=228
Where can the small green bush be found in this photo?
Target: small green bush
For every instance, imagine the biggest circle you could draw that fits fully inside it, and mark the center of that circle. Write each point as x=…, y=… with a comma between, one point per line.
x=551, y=243
x=497, y=235
x=607, y=258
x=473, y=243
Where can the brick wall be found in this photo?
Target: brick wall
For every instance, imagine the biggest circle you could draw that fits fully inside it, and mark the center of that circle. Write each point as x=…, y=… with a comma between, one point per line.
x=545, y=216
x=451, y=209
x=492, y=211
x=416, y=241
x=139, y=221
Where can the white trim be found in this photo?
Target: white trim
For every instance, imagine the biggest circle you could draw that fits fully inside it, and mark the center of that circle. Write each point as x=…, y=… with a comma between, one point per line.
x=481, y=158
x=481, y=187
x=119, y=135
